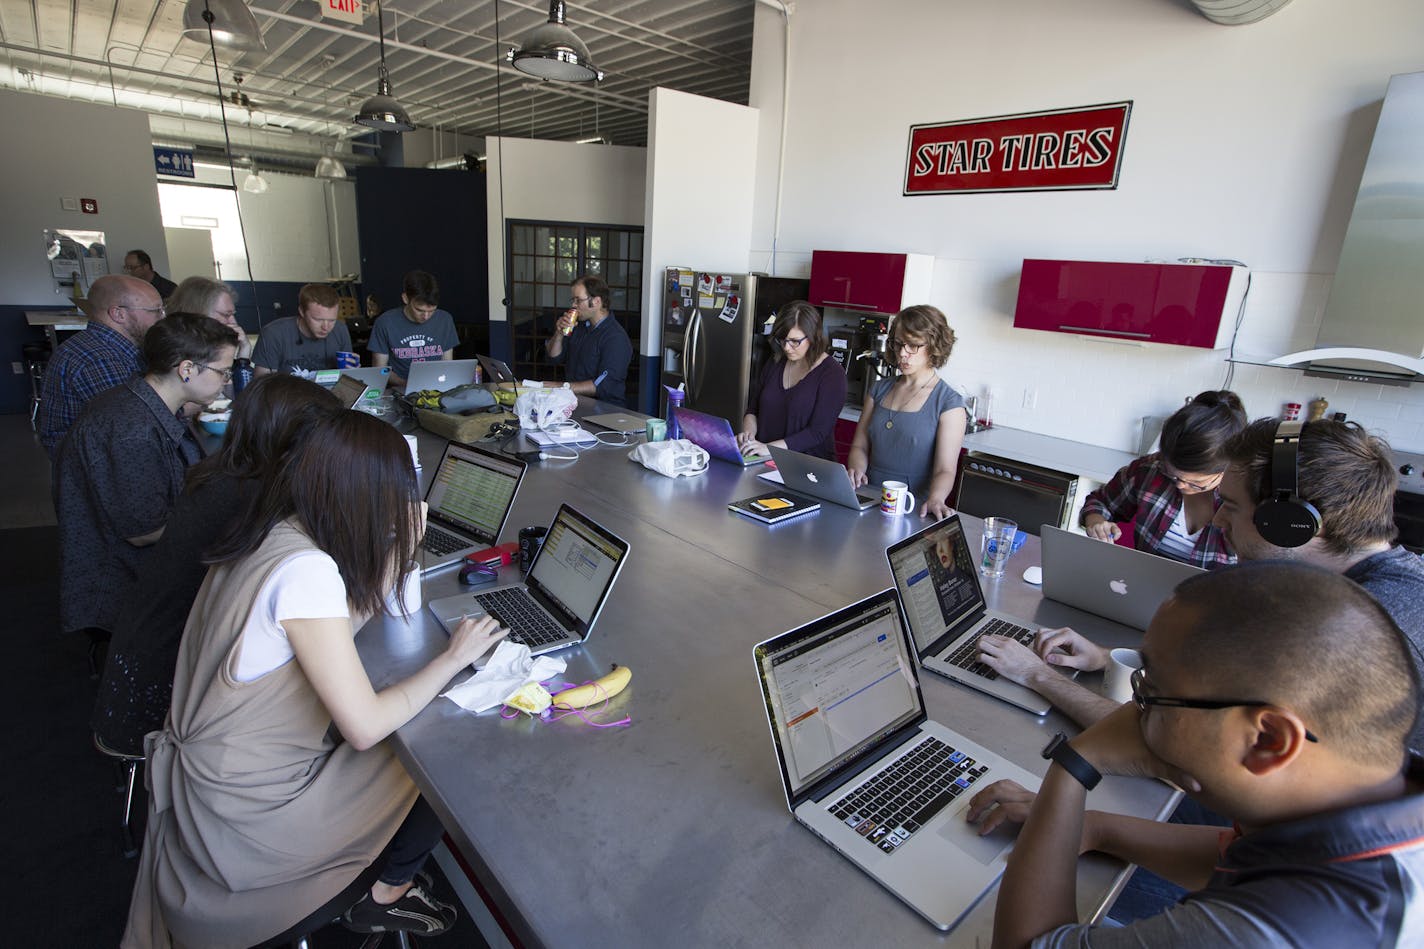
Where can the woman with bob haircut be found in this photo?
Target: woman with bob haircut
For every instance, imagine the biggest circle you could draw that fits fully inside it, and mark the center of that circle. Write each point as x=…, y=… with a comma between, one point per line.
x=271, y=786
x=1170, y=495
x=215, y=300
x=801, y=391
x=268, y=419
x=911, y=426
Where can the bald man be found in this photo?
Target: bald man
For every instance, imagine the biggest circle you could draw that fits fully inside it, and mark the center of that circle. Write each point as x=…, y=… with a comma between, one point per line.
x=1282, y=695
x=103, y=355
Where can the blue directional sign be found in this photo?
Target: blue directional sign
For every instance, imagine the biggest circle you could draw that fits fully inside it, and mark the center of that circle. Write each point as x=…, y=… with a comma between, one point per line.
x=173, y=161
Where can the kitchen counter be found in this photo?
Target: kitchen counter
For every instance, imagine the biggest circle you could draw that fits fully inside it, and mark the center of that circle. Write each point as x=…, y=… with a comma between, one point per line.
x=1086, y=461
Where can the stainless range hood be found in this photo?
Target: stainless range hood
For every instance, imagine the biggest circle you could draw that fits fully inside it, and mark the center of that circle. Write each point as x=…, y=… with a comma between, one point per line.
x=1373, y=330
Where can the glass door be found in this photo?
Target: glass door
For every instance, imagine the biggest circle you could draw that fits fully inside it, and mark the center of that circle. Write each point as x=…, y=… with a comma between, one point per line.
x=545, y=258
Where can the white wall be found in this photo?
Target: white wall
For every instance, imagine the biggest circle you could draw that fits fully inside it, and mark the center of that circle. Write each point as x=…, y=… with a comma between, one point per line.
x=702, y=167
x=57, y=148
x=528, y=179
x=1245, y=142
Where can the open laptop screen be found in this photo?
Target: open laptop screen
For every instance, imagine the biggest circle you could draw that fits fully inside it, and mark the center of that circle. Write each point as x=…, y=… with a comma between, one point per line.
x=472, y=492
x=577, y=564
x=836, y=687
x=935, y=573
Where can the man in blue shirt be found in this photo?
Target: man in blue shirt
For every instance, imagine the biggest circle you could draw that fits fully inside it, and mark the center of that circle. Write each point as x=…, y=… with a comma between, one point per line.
x=594, y=345
x=104, y=355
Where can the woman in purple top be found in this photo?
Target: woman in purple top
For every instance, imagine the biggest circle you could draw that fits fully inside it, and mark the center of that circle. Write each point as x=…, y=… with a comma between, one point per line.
x=801, y=391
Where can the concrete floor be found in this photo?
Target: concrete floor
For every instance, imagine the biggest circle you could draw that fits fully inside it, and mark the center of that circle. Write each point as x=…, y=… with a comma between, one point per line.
x=25, y=502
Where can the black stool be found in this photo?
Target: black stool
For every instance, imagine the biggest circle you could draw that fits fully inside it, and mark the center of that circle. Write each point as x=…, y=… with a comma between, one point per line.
x=36, y=357
x=128, y=775
x=298, y=936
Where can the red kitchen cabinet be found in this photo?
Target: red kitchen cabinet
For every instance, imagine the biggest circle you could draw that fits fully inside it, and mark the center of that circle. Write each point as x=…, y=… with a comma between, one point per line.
x=1177, y=304
x=870, y=283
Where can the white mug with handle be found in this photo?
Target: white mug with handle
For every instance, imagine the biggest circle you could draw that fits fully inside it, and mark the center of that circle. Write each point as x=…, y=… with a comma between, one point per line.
x=895, y=498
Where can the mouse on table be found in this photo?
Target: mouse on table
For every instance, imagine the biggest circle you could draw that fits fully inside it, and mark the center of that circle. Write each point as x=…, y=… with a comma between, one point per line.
x=1033, y=575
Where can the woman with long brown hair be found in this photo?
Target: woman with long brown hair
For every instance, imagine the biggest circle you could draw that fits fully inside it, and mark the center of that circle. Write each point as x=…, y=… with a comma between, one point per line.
x=271, y=788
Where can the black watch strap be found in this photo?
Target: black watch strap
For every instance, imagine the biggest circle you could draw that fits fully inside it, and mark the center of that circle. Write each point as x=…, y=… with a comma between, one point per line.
x=1059, y=751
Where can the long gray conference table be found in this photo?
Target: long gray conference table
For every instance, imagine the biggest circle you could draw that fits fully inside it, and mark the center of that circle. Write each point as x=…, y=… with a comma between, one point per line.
x=675, y=830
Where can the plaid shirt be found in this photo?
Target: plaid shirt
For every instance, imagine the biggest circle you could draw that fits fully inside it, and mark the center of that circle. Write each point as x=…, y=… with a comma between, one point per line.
x=1142, y=494
x=83, y=366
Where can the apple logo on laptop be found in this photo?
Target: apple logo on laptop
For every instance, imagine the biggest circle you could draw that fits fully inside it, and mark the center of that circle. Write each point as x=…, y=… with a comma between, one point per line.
x=1118, y=586
x=440, y=378
x=811, y=476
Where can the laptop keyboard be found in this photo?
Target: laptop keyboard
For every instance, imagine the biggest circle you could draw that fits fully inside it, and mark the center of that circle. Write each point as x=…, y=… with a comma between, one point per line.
x=439, y=542
x=528, y=624
x=888, y=809
x=966, y=656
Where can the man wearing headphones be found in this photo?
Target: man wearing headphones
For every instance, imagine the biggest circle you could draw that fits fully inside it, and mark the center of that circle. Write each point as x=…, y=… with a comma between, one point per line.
x=1321, y=494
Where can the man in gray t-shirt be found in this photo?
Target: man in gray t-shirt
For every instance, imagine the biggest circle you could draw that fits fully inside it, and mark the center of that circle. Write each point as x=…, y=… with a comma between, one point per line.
x=308, y=341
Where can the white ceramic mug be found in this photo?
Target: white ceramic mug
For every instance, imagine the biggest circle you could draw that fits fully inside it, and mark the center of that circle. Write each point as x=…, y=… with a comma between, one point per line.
x=414, y=451
x=1117, y=676
x=895, y=498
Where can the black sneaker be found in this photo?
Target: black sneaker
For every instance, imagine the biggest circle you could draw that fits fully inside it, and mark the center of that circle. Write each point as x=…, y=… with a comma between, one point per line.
x=415, y=912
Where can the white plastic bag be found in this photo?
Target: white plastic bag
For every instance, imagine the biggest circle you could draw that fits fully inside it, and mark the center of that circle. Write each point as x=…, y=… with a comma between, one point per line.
x=677, y=458
x=544, y=409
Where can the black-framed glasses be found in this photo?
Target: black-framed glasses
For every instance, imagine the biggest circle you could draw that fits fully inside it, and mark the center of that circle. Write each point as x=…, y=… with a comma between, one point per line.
x=1143, y=701
x=791, y=342
x=910, y=349
x=225, y=373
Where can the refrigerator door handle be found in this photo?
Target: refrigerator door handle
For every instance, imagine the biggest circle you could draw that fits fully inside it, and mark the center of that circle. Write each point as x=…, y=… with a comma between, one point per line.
x=689, y=356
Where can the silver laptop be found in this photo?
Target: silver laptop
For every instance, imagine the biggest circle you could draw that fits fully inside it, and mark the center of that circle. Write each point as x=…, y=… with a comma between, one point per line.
x=937, y=576
x=349, y=390
x=619, y=422
x=469, y=497
x=851, y=736
x=496, y=370
x=442, y=375
x=824, y=479
x=568, y=583
x=714, y=434
x=1120, y=583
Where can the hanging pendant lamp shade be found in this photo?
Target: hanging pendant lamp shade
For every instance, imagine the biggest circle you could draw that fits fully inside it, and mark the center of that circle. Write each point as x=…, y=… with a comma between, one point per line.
x=552, y=51
x=233, y=24
x=254, y=183
x=382, y=111
x=329, y=166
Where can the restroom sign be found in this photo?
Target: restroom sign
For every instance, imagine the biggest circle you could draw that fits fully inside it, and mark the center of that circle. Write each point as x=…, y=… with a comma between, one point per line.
x=1057, y=150
x=347, y=10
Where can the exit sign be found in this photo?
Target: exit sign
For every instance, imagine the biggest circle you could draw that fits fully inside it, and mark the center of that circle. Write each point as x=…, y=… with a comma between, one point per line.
x=348, y=10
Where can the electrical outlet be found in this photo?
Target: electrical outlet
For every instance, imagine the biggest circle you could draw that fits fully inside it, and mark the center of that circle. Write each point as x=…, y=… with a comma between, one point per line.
x=18, y=368
x=1030, y=399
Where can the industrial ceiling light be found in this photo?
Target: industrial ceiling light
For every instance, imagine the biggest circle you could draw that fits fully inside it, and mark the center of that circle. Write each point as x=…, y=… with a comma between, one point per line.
x=382, y=111
x=552, y=51
x=329, y=166
x=233, y=24
x=254, y=183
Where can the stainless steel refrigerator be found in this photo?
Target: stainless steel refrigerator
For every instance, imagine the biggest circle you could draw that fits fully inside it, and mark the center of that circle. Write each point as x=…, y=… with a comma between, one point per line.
x=715, y=330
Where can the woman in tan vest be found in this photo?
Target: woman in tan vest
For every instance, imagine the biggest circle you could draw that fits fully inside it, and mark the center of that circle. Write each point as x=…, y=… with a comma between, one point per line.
x=258, y=813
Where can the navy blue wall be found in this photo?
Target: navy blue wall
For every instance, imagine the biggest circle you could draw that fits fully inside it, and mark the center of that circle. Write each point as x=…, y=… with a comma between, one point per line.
x=14, y=333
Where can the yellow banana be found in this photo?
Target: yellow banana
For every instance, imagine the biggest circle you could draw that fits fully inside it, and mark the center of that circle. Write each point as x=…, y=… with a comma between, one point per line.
x=582, y=696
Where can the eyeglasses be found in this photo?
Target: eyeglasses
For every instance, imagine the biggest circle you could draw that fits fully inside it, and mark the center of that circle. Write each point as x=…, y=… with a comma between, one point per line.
x=225, y=373
x=789, y=342
x=578, y=300
x=147, y=309
x=910, y=349
x=1181, y=482
x=1142, y=701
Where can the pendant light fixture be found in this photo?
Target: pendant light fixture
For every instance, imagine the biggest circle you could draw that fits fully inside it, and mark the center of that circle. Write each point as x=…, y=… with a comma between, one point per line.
x=552, y=51
x=382, y=111
x=254, y=183
x=233, y=24
x=329, y=166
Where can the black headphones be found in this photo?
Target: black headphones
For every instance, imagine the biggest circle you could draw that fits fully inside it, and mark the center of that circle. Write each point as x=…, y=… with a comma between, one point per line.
x=1285, y=519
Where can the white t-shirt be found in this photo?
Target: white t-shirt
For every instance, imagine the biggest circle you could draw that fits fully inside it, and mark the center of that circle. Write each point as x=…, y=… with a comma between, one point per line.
x=304, y=586
x=1177, y=542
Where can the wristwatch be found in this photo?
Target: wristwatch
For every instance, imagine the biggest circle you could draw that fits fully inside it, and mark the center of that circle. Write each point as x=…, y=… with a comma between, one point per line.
x=1058, y=750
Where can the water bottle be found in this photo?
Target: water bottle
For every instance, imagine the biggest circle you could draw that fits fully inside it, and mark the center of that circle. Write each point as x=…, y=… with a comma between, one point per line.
x=241, y=374
x=675, y=397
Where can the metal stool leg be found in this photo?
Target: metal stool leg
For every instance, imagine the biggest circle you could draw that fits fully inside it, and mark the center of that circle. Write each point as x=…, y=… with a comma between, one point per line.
x=126, y=828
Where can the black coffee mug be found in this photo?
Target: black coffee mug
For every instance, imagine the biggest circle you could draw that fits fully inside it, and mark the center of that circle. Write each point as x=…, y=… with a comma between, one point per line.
x=530, y=540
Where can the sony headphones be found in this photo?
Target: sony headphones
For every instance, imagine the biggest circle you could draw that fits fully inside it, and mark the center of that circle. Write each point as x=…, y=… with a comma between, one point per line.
x=1285, y=519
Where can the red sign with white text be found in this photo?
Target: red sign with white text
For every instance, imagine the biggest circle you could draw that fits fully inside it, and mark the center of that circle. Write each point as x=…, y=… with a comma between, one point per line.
x=1058, y=150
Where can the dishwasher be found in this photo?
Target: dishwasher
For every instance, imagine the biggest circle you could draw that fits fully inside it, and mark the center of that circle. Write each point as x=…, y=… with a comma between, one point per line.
x=1031, y=496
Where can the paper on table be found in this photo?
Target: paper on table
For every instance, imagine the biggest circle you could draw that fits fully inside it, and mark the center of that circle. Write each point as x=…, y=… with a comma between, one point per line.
x=509, y=667
x=773, y=476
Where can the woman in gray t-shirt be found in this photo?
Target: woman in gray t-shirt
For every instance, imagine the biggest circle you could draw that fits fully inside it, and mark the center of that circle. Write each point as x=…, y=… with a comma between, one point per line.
x=911, y=427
